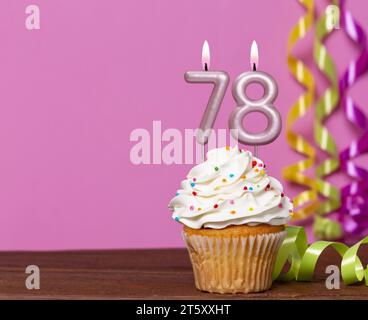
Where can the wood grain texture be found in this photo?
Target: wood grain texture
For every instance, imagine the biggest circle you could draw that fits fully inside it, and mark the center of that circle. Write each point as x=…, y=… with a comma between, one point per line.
x=141, y=274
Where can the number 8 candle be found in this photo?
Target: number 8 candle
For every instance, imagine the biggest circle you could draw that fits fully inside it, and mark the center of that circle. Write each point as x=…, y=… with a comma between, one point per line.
x=245, y=105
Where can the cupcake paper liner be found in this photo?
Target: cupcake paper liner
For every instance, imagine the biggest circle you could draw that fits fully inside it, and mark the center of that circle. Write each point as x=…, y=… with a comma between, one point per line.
x=241, y=264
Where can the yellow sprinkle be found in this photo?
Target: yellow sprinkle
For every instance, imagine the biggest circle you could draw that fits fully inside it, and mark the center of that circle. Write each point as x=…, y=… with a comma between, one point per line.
x=256, y=170
x=250, y=209
x=262, y=172
x=244, y=176
x=232, y=211
x=224, y=180
x=199, y=209
x=227, y=148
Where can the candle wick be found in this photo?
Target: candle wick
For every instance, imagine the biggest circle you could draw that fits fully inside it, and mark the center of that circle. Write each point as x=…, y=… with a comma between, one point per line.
x=205, y=66
x=254, y=66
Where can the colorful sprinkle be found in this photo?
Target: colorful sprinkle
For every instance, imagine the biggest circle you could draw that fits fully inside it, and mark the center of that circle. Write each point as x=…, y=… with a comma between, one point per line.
x=216, y=168
x=215, y=206
x=245, y=188
x=254, y=163
x=194, y=193
x=176, y=218
x=194, y=179
x=244, y=176
x=250, y=188
x=192, y=184
x=263, y=172
x=232, y=211
x=260, y=165
x=250, y=209
x=231, y=201
x=177, y=193
x=191, y=208
x=256, y=170
x=227, y=148
x=199, y=209
x=280, y=205
x=224, y=180
x=282, y=195
x=231, y=175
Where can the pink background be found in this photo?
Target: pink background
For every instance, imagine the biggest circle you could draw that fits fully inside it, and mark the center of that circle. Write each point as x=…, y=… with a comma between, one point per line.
x=72, y=92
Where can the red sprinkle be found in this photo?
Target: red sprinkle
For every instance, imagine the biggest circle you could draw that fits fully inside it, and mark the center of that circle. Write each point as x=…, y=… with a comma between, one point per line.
x=282, y=195
x=194, y=193
x=215, y=206
x=254, y=163
x=245, y=188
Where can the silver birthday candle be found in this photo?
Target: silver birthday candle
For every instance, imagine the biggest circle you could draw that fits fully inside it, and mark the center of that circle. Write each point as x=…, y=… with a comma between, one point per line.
x=264, y=105
x=220, y=80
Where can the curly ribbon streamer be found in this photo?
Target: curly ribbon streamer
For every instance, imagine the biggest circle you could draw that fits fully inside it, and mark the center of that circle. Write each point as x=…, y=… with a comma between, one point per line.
x=354, y=209
x=325, y=106
x=305, y=202
x=303, y=259
x=323, y=227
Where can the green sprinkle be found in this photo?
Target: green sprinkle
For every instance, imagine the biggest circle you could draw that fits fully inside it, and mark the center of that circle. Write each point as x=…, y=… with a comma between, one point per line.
x=216, y=168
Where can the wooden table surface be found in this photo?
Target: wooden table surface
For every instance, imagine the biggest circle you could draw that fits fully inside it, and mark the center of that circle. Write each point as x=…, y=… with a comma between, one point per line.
x=141, y=274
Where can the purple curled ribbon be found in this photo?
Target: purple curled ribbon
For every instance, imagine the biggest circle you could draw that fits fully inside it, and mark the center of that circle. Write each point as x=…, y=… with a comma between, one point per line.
x=353, y=213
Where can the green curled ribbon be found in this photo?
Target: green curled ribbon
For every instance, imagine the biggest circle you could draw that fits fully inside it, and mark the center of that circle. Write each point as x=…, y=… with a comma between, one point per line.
x=303, y=258
x=325, y=106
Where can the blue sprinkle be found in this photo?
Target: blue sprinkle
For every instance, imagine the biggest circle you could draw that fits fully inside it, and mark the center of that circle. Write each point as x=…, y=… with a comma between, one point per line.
x=231, y=175
x=192, y=184
x=176, y=218
x=177, y=193
x=250, y=188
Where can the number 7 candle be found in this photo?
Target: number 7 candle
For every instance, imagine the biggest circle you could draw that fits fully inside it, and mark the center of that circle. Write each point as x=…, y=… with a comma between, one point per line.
x=220, y=80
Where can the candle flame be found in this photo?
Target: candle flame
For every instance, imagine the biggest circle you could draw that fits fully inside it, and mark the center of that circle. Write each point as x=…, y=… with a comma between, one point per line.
x=254, y=55
x=205, y=55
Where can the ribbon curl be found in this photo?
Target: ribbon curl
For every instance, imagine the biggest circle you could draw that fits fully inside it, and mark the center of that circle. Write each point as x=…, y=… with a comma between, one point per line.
x=325, y=106
x=303, y=259
x=354, y=209
x=305, y=202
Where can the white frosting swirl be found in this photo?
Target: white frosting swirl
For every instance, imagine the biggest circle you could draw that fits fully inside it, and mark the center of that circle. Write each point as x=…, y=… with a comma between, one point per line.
x=230, y=188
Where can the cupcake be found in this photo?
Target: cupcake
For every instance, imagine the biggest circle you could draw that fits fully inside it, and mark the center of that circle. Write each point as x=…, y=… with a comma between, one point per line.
x=233, y=217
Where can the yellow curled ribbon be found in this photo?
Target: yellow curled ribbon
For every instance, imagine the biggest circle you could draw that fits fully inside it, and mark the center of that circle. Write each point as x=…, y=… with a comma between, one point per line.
x=325, y=106
x=303, y=259
x=306, y=202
